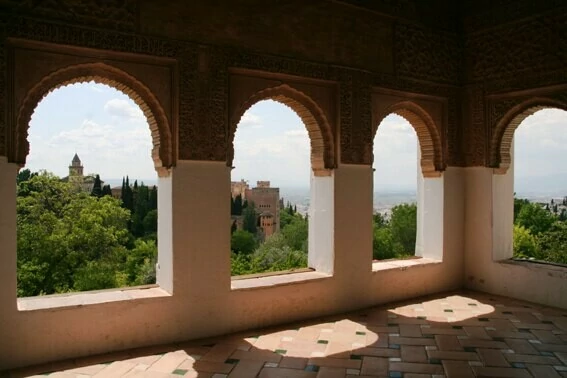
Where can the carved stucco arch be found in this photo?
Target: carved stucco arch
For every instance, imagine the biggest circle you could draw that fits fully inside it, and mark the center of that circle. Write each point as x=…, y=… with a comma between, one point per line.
x=162, y=151
x=432, y=161
x=313, y=117
x=501, y=143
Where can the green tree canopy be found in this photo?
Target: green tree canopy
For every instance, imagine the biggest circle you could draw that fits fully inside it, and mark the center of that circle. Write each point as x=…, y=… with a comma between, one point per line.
x=242, y=241
x=535, y=218
x=403, y=223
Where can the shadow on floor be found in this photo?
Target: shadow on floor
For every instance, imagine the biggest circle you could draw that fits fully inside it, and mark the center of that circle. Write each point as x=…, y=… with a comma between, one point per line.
x=463, y=334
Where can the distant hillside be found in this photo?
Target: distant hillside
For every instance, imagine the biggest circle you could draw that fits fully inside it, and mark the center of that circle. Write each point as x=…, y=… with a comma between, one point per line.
x=541, y=185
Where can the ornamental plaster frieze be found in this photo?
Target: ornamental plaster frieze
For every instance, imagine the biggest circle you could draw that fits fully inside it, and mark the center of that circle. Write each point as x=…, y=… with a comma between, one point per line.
x=517, y=49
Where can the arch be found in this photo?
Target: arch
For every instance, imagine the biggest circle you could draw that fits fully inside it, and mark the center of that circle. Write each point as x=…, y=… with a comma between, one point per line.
x=313, y=117
x=162, y=151
x=501, y=142
x=432, y=161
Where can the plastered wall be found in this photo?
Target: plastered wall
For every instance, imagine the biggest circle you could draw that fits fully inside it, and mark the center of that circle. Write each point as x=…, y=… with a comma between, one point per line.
x=202, y=302
x=489, y=201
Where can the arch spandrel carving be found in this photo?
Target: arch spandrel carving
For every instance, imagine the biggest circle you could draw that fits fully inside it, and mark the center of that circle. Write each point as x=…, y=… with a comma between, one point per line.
x=433, y=160
x=318, y=125
x=162, y=152
x=503, y=133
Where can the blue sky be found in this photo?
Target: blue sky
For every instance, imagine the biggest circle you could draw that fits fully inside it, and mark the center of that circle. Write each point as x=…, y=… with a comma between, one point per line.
x=112, y=138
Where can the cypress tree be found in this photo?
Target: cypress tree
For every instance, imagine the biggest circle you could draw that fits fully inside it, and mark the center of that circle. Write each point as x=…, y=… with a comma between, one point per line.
x=97, y=187
x=106, y=191
x=153, y=200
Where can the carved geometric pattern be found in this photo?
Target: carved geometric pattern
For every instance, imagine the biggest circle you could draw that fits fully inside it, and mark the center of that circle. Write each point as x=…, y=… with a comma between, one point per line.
x=314, y=119
x=536, y=45
x=430, y=144
x=114, y=14
x=162, y=152
x=3, y=128
x=500, y=157
x=423, y=54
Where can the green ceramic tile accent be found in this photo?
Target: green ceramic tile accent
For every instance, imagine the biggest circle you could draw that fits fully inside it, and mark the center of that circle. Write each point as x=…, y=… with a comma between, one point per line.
x=361, y=333
x=355, y=357
x=482, y=319
x=231, y=361
x=281, y=351
x=547, y=354
x=395, y=374
x=394, y=346
x=518, y=365
x=180, y=371
x=457, y=327
x=322, y=341
x=314, y=368
x=448, y=310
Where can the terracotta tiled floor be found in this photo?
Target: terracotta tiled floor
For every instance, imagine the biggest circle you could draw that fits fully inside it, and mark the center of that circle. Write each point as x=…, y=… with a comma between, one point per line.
x=451, y=335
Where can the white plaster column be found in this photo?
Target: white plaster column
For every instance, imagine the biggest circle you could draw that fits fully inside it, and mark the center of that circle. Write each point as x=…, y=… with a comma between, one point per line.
x=8, y=239
x=201, y=228
x=503, y=212
x=322, y=223
x=430, y=215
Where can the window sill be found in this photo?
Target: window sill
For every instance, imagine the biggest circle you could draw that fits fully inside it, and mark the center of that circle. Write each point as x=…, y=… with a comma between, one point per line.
x=549, y=269
x=380, y=266
x=277, y=279
x=44, y=302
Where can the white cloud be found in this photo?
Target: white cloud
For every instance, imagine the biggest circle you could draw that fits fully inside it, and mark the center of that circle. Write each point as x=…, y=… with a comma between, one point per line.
x=297, y=133
x=123, y=108
x=105, y=149
x=97, y=88
x=250, y=120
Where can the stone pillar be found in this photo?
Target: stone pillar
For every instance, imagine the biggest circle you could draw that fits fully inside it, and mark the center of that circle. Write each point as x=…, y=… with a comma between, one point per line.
x=353, y=223
x=8, y=239
x=200, y=212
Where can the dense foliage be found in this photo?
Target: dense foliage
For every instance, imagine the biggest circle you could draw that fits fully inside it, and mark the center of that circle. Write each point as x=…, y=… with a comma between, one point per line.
x=395, y=237
x=71, y=240
x=540, y=231
x=284, y=250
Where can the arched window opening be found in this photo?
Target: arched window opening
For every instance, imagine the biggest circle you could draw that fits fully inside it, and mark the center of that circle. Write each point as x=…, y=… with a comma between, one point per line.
x=270, y=191
x=408, y=190
x=396, y=169
x=540, y=187
x=87, y=204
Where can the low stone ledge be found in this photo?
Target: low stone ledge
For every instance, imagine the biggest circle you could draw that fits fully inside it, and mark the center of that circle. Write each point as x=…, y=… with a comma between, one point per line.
x=284, y=278
x=403, y=264
x=44, y=302
x=541, y=267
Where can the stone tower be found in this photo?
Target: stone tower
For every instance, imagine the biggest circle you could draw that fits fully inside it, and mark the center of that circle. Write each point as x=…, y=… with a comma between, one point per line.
x=76, y=171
